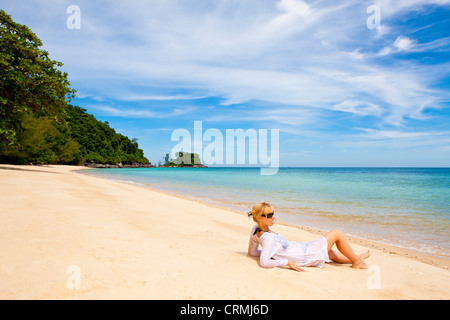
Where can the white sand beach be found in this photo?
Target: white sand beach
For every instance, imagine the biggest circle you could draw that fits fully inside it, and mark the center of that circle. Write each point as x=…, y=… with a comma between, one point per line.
x=65, y=235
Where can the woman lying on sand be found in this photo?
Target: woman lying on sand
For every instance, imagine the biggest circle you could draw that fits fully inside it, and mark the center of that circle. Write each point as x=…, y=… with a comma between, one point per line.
x=278, y=252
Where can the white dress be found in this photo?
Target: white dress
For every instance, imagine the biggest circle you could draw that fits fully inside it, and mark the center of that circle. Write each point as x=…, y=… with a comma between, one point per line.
x=276, y=251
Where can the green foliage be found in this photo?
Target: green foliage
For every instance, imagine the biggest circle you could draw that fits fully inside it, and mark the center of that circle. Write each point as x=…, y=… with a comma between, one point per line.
x=42, y=140
x=183, y=159
x=29, y=80
x=99, y=142
x=36, y=122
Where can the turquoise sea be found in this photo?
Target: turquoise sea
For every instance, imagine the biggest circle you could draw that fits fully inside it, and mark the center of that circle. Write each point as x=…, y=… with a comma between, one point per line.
x=406, y=207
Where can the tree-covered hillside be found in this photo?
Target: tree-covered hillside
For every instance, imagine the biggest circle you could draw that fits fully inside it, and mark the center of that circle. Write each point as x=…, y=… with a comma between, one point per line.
x=99, y=142
x=37, y=122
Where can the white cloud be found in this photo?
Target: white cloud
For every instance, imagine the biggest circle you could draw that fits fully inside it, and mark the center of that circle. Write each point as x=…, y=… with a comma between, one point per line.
x=406, y=45
x=145, y=97
x=395, y=134
x=423, y=148
x=390, y=8
x=401, y=44
x=140, y=113
x=291, y=53
x=359, y=108
x=293, y=10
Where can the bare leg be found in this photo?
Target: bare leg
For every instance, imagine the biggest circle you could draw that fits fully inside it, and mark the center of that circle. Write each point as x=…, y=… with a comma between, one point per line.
x=338, y=257
x=335, y=237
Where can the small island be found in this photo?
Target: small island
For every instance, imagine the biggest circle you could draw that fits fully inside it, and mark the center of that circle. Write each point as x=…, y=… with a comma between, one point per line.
x=183, y=160
x=38, y=123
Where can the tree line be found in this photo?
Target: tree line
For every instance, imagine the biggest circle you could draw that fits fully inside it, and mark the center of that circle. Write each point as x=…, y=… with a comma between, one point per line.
x=182, y=159
x=38, y=123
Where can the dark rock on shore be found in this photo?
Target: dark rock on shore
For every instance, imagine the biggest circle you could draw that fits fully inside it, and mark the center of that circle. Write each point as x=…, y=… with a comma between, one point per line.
x=118, y=165
x=187, y=166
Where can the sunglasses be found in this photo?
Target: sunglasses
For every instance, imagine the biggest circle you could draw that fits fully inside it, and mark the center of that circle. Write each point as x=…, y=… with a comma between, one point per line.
x=269, y=215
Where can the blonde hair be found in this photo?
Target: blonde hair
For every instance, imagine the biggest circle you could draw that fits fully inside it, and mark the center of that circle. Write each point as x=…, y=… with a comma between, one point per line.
x=259, y=209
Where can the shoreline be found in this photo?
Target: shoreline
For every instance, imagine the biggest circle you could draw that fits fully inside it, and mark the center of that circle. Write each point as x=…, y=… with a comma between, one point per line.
x=131, y=242
x=385, y=247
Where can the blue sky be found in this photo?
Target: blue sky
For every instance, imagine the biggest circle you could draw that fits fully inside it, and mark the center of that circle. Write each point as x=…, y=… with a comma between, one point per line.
x=340, y=94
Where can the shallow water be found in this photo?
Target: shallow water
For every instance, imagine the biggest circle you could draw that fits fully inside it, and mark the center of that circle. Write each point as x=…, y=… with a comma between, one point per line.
x=407, y=207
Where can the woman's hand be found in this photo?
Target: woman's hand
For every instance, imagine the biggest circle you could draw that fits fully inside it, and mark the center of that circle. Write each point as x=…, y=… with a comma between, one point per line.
x=294, y=266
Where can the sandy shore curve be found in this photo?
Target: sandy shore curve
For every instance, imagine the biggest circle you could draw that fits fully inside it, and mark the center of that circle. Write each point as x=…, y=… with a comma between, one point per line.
x=66, y=235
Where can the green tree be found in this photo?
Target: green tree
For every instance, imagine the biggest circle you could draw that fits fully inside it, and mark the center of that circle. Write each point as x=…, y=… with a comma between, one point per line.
x=37, y=123
x=186, y=159
x=167, y=160
x=99, y=142
x=42, y=140
x=30, y=81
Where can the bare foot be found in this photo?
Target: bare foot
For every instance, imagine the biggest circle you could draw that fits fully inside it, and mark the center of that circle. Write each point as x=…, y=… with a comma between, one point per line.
x=364, y=256
x=359, y=265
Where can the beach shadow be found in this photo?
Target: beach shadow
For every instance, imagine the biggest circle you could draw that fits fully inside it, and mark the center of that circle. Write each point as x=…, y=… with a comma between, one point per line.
x=30, y=170
x=245, y=254
x=256, y=260
x=338, y=265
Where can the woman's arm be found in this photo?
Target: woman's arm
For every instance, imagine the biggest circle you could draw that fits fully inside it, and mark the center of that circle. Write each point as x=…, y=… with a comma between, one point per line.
x=295, y=267
x=269, y=248
x=265, y=259
x=253, y=248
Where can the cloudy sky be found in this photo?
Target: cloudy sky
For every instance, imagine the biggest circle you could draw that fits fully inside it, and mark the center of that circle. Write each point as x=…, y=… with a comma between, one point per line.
x=344, y=85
